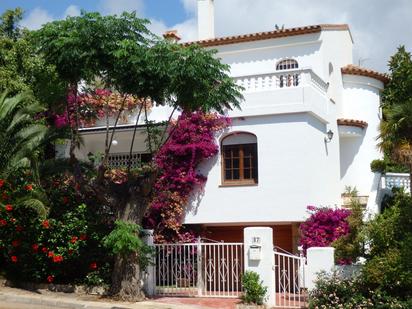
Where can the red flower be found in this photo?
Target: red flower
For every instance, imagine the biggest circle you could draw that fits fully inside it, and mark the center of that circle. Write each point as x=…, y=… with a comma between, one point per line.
x=9, y=207
x=15, y=243
x=44, y=249
x=1, y=182
x=50, y=254
x=50, y=278
x=28, y=187
x=74, y=239
x=4, y=196
x=93, y=265
x=57, y=259
x=70, y=251
x=19, y=228
x=46, y=224
x=83, y=236
x=14, y=259
x=3, y=222
x=65, y=200
x=35, y=247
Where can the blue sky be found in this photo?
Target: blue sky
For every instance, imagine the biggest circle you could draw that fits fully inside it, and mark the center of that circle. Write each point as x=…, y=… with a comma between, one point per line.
x=170, y=11
x=377, y=26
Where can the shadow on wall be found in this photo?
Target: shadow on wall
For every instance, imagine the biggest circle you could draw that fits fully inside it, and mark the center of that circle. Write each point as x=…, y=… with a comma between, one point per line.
x=349, y=147
x=198, y=193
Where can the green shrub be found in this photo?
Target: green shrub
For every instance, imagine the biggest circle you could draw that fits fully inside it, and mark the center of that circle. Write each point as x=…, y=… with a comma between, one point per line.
x=387, y=166
x=254, y=291
x=124, y=239
x=378, y=166
x=351, y=246
x=331, y=291
x=389, y=265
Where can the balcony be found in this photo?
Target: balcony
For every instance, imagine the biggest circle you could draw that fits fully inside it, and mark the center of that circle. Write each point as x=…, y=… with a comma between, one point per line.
x=397, y=180
x=289, y=91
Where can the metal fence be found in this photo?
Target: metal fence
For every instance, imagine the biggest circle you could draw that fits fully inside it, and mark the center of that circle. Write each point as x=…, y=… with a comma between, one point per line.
x=199, y=269
x=289, y=276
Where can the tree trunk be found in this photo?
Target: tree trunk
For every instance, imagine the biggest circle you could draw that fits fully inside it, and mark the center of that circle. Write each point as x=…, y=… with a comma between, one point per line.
x=127, y=277
x=127, y=281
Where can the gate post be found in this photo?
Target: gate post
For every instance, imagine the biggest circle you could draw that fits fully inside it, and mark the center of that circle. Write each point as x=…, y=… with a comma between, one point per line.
x=318, y=259
x=259, y=257
x=150, y=278
x=199, y=268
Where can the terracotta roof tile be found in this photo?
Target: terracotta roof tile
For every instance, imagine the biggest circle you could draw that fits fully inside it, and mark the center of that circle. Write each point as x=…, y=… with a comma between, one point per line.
x=268, y=35
x=352, y=122
x=355, y=70
x=171, y=34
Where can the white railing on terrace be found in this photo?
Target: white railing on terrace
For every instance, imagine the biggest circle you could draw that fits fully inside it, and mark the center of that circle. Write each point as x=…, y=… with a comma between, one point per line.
x=396, y=180
x=282, y=79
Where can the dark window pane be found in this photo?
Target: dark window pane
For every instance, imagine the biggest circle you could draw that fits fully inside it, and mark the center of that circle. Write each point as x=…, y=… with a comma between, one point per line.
x=235, y=163
x=246, y=173
x=246, y=162
x=236, y=174
x=228, y=163
x=228, y=174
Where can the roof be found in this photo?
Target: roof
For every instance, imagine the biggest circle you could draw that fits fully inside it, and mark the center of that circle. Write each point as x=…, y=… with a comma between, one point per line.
x=355, y=70
x=352, y=122
x=268, y=35
x=172, y=34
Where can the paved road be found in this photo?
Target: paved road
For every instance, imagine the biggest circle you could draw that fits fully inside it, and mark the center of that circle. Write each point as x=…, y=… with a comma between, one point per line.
x=24, y=306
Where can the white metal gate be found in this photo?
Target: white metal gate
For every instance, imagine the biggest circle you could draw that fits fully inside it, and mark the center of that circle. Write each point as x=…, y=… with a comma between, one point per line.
x=199, y=269
x=289, y=276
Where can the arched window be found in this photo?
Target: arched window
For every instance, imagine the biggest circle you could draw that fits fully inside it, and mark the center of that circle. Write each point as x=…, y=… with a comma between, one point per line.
x=288, y=79
x=239, y=159
x=287, y=64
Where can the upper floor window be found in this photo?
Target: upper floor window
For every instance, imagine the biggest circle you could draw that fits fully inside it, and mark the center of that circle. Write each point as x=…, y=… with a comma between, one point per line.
x=288, y=79
x=287, y=64
x=240, y=161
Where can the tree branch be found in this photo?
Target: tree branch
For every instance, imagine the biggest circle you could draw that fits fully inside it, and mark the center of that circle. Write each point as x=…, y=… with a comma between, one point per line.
x=167, y=126
x=102, y=166
x=148, y=130
x=129, y=162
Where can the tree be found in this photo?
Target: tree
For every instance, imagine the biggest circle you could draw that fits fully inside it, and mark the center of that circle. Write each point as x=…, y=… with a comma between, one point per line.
x=20, y=134
x=396, y=125
x=9, y=21
x=127, y=59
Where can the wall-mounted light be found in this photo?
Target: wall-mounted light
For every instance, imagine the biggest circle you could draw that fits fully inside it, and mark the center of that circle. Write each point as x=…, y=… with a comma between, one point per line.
x=114, y=142
x=329, y=136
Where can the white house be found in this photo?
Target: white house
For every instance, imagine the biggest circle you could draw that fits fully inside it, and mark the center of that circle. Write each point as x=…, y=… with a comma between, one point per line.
x=307, y=129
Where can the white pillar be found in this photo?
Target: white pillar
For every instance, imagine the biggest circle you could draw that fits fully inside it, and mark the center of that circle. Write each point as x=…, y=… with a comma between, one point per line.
x=149, y=279
x=205, y=19
x=259, y=257
x=318, y=259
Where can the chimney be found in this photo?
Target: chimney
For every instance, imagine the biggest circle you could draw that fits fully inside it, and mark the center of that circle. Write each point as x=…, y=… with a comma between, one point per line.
x=172, y=36
x=205, y=19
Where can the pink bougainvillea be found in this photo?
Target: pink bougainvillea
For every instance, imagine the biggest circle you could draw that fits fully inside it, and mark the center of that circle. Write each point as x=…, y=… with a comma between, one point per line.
x=192, y=141
x=324, y=226
x=95, y=105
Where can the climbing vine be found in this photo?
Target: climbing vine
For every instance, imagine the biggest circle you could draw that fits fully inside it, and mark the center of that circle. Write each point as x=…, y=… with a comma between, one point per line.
x=191, y=141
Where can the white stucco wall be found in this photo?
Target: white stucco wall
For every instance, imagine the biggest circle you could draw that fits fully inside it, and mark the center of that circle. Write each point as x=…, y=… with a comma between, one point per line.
x=261, y=57
x=361, y=99
x=296, y=169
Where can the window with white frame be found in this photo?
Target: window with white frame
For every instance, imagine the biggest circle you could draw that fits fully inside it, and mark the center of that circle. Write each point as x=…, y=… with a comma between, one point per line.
x=288, y=79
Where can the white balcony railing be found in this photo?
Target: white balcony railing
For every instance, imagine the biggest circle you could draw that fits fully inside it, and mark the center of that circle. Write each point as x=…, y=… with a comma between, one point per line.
x=282, y=79
x=397, y=180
